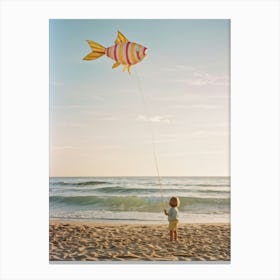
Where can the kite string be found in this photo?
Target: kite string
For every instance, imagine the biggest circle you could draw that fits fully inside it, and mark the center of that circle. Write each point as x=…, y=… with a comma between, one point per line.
x=153, y=136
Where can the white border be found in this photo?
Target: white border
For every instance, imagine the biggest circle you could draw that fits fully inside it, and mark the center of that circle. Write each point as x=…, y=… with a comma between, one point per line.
x=255, y=137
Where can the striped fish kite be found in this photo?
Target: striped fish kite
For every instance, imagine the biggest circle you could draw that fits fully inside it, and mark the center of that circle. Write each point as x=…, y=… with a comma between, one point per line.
x=123, y=52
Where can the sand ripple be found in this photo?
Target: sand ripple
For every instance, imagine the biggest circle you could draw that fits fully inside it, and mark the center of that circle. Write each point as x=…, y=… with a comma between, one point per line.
x=73, y=241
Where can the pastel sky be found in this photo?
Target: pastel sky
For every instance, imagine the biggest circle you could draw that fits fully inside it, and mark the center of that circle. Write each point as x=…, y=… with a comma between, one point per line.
x=99, y=125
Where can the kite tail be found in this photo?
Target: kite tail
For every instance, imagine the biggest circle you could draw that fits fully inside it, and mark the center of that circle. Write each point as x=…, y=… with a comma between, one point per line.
x=97, y=51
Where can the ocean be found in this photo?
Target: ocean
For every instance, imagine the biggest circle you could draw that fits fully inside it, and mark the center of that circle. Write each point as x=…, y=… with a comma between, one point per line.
x=139, y=199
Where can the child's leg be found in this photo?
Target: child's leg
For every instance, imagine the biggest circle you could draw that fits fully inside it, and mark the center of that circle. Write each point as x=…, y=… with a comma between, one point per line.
x=171, y=235
x=175, y=235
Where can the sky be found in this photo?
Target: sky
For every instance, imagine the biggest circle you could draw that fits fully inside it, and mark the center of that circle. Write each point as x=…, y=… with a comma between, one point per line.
x=103, y=121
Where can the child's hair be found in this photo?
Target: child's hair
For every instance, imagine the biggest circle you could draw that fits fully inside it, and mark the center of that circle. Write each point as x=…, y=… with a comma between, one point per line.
x=174, y=201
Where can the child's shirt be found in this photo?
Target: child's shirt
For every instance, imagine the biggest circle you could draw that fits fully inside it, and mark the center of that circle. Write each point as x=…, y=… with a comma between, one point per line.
x=173, y=214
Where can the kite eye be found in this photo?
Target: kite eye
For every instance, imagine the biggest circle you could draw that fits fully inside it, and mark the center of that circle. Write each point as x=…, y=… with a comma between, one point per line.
x=145, y=51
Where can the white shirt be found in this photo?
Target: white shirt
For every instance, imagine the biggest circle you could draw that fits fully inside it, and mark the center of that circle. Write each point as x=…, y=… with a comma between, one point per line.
x=173, y=214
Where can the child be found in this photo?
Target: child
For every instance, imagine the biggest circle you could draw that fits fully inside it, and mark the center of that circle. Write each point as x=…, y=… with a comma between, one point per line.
x=173, y=215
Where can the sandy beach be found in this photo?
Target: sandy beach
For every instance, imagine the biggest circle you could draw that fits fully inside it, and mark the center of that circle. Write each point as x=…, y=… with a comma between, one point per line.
x=81, y=241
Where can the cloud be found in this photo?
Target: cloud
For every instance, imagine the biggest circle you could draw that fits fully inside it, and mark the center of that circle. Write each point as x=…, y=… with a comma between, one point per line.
x=164, y=141
x=182, y=67
x=199, y=133
x=205, y=106
x=106, y=148
x=97, y=98
x=166, y=138
x=63, y=148
x=107, y=118
x=176, y=155
x=98, y=116
x=197, y=106
x=178, y=68
x=204, y=78
x=72, y=124
x=214, y=152
x=71, y=107
x=57, y=84
x=207, y=133
x=195, y=77
x=155, y=119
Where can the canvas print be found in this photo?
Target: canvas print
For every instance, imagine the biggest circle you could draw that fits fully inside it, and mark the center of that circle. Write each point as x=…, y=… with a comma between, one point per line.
x=139, y=141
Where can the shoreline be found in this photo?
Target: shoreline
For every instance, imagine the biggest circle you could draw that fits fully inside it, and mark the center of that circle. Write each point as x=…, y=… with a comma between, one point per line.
x=125, y=222
x=81, y=241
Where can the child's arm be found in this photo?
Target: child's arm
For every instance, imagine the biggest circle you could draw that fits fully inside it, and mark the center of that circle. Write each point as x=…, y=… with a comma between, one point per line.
x=165, y=212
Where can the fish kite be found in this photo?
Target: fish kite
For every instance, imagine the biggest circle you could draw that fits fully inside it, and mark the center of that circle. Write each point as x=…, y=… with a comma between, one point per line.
x=123, y=52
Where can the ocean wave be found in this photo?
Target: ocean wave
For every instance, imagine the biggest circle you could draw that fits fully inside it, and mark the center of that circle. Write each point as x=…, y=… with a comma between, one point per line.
x=116, y=189
x=86, y=183
x=134, y=203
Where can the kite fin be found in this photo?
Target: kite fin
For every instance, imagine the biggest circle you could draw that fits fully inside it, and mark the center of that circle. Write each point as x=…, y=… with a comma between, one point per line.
x=127, y=67
x=121, y=38
x=115, y=65
x=97, y=51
